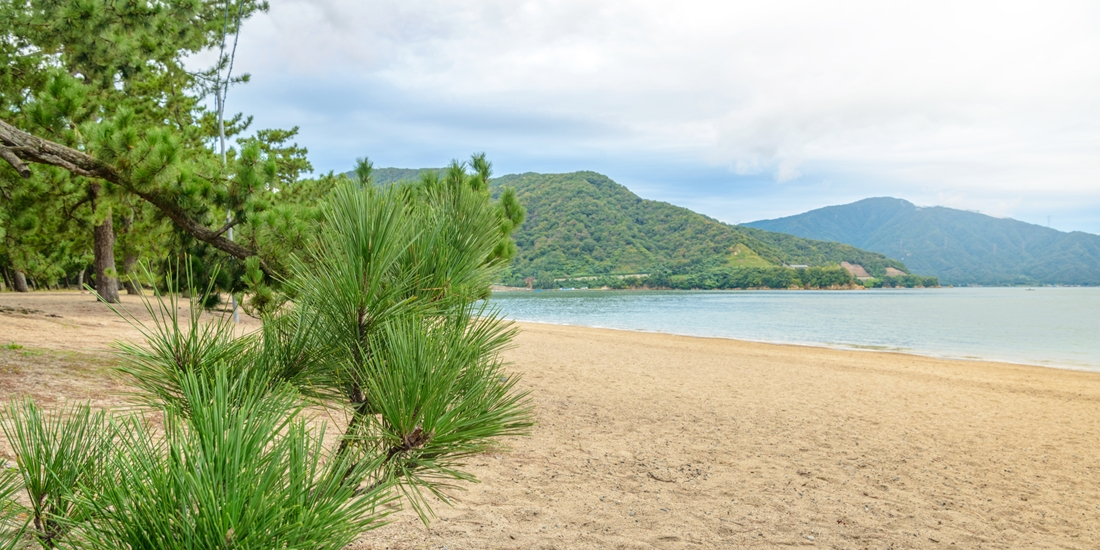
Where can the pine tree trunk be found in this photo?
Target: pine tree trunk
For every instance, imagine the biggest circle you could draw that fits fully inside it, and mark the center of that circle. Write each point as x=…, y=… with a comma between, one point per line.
x=105, y=285
x=104, y=251
x=129, y=262
x=20, y=281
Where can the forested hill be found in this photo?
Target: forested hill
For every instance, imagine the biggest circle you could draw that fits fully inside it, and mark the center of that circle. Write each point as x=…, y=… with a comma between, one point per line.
x=386, y=176
x=957, y=246
x=583, y=223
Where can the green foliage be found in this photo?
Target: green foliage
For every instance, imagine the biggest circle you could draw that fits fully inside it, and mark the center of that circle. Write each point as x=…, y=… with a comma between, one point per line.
x=386, y=323
x=290, y=160
x=756, y=277
x=725, y=277
x=824, y=277
x=287, y=224
x=902, y=281
x=395, y=270
x=956, y=246
x=176, y=348
x=743, y=256
x=439, y=395
x=509, y=211
x=12, y=525
x=108, y=78
x=392, y=285
x=244, y=470
x=44, y=233
x=386, y=176
x=56, y=457
x=354, y=280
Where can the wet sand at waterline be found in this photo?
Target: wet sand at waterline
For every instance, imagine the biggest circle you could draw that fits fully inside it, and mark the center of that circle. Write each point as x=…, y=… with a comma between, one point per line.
x=658, y=441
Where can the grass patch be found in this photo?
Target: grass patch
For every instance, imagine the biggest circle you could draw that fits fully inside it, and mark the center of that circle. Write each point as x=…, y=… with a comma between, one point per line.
x=743, y=256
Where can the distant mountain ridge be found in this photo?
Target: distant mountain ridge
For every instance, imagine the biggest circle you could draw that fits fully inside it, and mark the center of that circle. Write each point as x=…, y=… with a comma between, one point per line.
x=958, y=246
x=583, y=223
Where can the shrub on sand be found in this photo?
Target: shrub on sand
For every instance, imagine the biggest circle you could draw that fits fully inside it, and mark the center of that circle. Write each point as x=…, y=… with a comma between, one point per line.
x=383, y=320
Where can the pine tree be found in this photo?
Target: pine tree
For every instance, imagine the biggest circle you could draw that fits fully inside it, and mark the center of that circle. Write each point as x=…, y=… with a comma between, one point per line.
x=107, y=78
x=386, y=325
x=96, y=98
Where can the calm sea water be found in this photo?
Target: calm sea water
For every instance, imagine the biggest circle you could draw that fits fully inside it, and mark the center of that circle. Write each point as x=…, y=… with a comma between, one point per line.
x=1057, y=327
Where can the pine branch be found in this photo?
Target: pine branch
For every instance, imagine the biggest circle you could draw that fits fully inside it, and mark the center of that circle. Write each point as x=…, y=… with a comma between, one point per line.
x=9, y=155
x=227, y=227
x=18, y=147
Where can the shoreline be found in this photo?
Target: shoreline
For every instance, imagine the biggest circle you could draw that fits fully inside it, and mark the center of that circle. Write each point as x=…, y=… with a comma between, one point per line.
x=1049, y=327
x=506, y=289
x=825, y=346
x=79, y=313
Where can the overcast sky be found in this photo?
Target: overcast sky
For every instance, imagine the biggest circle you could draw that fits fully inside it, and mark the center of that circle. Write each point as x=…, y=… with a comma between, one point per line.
x=742, y=111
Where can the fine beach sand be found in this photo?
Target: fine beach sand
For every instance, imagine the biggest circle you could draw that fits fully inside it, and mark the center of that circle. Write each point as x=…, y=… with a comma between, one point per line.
x=658, y=441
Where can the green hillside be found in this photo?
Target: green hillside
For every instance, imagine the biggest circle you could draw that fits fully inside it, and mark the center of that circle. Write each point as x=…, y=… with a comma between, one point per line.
x=386, y=176
x=957, y=246
x=583, y=224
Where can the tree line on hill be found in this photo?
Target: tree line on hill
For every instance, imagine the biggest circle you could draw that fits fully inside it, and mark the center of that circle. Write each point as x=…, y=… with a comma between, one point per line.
x=734, y=278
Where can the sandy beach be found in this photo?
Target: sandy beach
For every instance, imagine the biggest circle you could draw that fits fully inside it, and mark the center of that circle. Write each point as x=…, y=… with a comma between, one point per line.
x=659, y=441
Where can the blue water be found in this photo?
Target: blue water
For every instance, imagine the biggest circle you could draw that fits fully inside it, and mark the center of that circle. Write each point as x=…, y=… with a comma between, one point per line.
x=1057, y=327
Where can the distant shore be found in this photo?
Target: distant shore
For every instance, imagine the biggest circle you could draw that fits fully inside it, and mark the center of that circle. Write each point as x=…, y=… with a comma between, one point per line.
x=502, y=288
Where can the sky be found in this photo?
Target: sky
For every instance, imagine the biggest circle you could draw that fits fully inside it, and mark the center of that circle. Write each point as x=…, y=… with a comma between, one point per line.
x=739, y=110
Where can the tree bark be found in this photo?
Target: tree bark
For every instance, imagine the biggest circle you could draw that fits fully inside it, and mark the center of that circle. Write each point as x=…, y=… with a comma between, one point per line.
x=20, y=281
x=104, y=250
x=80, y=280
x=129, y=256
x=129, y=262
x=105, y=284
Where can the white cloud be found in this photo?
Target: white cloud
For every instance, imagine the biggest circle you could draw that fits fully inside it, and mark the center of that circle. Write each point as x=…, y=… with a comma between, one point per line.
x=788, y=170
x=991, y=99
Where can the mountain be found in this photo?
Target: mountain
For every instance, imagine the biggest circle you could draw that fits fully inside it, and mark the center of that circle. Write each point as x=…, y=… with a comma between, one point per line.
x=583, y=223
x=957, y=246
x=584, y=226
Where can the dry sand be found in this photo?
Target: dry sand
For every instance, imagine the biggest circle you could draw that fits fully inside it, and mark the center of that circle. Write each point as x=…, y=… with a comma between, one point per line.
x=658, y=441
